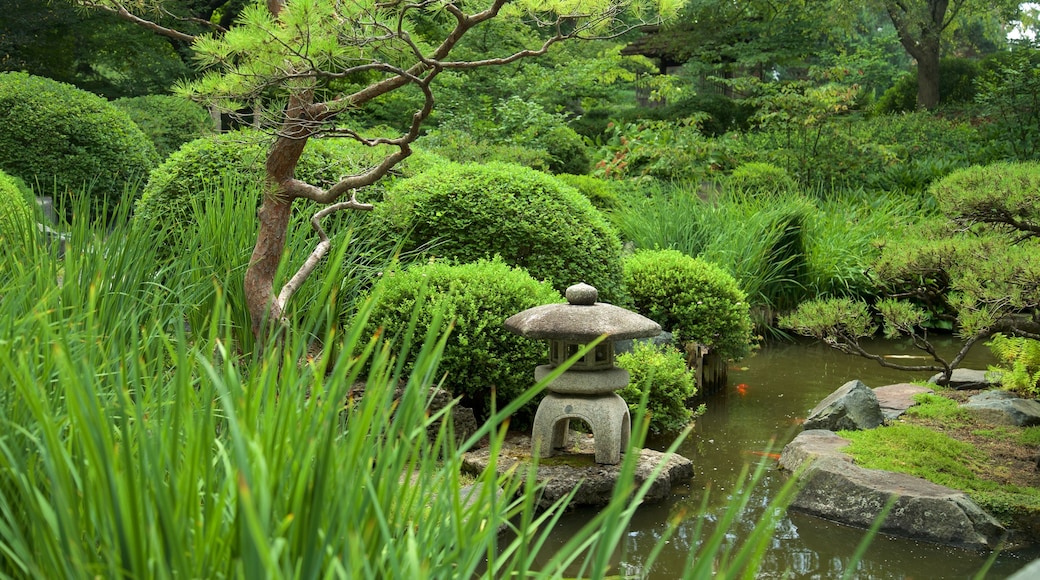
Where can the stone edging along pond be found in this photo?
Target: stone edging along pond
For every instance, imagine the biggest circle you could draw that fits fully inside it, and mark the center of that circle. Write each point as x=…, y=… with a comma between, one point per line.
x=833, y=487
x=837, y=489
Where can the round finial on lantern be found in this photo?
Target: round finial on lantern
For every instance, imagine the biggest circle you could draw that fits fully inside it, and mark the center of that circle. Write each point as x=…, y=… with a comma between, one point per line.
x=582, y=294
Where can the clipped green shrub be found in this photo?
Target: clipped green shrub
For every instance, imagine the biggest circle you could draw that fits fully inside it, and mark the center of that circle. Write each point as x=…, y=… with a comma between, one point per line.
x=206, y=164
x=15, y=213
x=530, y=219
x=70, y=140
x=198, y=167
x=481, y=356
x=602, y=193
x=662, y=375
x=566, y=149
x=694, y=299
x=169, y=121
x=758, y=177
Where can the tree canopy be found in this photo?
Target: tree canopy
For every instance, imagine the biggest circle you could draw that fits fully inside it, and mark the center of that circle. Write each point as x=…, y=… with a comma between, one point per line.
x=296, y=66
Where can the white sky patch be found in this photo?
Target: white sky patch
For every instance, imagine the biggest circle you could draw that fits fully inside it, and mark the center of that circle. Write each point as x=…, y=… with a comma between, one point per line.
x=1019, y=30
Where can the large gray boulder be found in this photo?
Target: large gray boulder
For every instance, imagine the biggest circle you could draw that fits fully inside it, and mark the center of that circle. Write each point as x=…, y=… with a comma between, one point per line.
x=835, y=488
x=853, y=407
x=1004, y=408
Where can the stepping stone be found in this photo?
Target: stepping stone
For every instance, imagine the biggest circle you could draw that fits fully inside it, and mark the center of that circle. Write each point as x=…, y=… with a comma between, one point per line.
x=896, y=399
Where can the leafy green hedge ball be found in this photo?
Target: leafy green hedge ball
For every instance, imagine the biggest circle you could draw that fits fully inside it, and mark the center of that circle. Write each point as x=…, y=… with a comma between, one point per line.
x=15, y=214
x=481, y=354
x=68, y=141
x=530, y=219
x=694, y=299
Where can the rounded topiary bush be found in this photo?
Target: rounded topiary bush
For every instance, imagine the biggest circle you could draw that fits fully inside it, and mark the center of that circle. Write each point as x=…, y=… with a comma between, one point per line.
x=198, y=168
x=601, y=192
x=70, y=140
x=235, y=159
x=530, y=219
x=169, y=121
x=567, y=151
x=480, y=354
x=16, y=215
x=758, y=177
x=662, y=375
x=694, y=299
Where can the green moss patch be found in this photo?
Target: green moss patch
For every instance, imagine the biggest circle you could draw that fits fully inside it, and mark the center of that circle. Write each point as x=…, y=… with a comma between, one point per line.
x=937, y=441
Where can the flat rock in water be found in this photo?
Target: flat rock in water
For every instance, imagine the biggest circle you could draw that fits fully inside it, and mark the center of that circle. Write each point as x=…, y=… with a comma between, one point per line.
x=965, y=379
x=853, y=406
x=896, y=399
x=1004, y=408
x=835, y=488
x=563, y=471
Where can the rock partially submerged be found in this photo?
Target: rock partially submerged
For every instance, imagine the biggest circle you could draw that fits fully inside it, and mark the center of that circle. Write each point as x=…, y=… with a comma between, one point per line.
x=852, y=407
x=577, y=467
x=835, y=488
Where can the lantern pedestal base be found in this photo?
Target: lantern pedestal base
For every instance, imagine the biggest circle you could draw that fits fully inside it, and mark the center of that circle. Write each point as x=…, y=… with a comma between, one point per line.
x=606, y=414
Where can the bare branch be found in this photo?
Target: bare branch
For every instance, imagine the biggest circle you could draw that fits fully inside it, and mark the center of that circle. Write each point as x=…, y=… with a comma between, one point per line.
x=121, y=11
x=319, y=251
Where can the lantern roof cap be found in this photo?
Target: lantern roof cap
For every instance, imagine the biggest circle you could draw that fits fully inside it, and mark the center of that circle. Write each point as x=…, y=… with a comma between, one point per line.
x=582, y=319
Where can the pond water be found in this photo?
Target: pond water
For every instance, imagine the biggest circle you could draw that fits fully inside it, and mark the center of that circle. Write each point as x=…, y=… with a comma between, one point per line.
x=768, y=396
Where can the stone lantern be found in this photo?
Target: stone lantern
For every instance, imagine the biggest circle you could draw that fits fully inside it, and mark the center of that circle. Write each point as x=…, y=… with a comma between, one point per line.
x=586, y=390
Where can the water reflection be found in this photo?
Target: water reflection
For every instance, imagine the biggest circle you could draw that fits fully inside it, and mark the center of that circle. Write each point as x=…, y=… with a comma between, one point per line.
x=769, y=396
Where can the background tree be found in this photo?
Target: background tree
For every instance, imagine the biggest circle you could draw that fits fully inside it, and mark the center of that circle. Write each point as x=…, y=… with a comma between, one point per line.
x=298, y=65
x=922, y=24
x=96, y=52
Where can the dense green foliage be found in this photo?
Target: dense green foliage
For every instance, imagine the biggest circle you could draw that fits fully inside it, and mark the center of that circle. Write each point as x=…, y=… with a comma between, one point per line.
x=206, y=164
x=482, y=360
x=1009, y=92
x=168, y=121
x=1019, y=363
x=760, y=178
x=96, y=51
x=661, y=375
x=602, y=193
x=820, y=151
x=696, y=300
x=530, y=219
x=782, y=249
x=15, y=213
x=543, y=139
x=68, y=141
x=957, y=77
x=977, y=269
